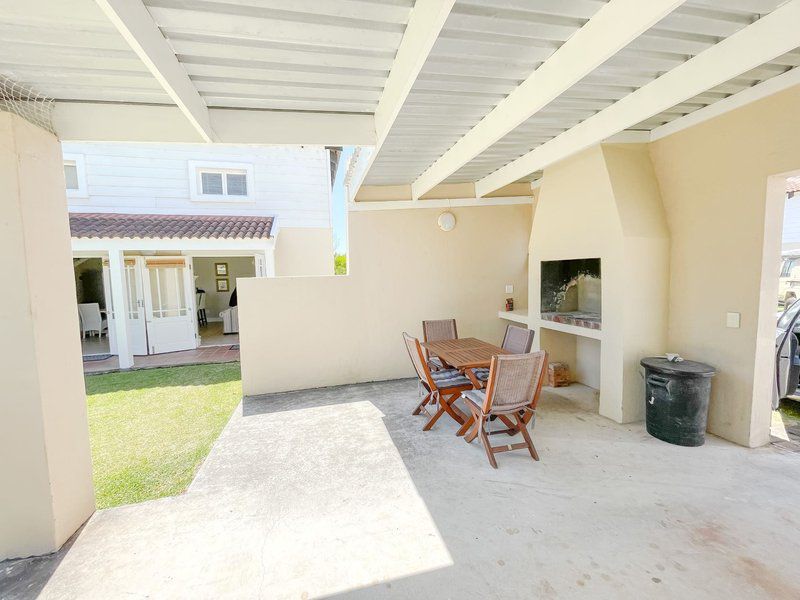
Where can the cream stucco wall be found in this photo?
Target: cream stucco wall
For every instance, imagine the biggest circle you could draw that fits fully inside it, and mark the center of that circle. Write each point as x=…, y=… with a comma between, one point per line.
x=604, y=202
x=725, y=230
x=318, y=331
x=45, y=465
x=304, y=252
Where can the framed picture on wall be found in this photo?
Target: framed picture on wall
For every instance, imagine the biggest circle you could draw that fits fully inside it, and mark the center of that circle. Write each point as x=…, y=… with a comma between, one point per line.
x=222, y=285
x=221, y=269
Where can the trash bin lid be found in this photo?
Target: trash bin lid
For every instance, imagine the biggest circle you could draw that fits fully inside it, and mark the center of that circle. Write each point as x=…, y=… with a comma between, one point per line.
x=686, y=368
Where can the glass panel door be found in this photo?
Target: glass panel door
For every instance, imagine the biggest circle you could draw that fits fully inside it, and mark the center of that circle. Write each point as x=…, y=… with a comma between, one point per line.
x=169, y=307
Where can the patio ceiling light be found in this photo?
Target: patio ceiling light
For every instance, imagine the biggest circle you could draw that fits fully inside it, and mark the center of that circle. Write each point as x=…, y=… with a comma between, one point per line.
x=446, y=221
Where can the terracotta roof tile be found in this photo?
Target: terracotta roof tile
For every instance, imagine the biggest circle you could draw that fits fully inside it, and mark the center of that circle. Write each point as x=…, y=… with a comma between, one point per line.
x=116, y=225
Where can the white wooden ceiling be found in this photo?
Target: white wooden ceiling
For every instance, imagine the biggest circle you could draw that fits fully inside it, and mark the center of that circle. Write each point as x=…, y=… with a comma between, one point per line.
x=219, y=62
x=448, y=100
x=320, y=55
x=68, y=49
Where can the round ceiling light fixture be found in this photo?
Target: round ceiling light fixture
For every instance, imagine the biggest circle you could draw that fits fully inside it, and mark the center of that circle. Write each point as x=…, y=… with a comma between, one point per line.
x=446, y=221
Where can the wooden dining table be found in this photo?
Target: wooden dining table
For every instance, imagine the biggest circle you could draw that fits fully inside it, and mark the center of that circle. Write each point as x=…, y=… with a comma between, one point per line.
x=464, y=353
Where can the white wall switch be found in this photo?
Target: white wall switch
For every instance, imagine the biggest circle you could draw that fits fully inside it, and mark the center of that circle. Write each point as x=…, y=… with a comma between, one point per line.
x=509, y=289
x=733, y=320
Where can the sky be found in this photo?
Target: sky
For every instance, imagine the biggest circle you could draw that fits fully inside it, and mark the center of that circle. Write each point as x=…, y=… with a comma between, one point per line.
x=339, y=203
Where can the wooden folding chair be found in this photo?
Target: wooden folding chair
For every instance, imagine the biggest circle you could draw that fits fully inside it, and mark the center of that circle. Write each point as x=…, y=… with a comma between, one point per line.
x=443, y=387
x=434, y=331
x=517, y=340
x=512, y=393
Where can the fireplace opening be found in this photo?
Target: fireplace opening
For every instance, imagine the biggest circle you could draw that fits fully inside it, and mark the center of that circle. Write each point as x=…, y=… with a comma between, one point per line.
x=571, y=292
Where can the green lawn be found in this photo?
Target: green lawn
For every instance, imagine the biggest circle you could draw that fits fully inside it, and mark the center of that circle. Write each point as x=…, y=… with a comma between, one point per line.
x=151, y=429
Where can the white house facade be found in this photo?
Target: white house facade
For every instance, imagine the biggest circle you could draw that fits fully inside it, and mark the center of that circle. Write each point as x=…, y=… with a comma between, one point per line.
x=165, y=231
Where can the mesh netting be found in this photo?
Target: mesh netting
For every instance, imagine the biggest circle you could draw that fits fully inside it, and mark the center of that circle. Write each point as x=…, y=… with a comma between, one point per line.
x=26, y=103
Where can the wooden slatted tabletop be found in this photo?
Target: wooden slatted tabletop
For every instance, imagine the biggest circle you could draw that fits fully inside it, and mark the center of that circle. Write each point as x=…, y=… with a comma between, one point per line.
x=465, y=353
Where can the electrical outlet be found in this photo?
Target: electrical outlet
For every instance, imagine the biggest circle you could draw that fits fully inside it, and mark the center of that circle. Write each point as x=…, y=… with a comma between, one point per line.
x=509, y=289
x=733, y=320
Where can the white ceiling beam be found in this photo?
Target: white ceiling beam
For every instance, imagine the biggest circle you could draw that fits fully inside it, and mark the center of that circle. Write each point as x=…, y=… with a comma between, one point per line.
x=746, y=96
x=118, y=122
x=362, y=205
x=424, y=24
x=769, y=37
x=612, y=28
x=136, y=25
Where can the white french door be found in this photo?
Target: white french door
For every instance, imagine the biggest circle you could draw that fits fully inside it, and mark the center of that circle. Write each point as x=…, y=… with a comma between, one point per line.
x=135, y=317
x=169, y=303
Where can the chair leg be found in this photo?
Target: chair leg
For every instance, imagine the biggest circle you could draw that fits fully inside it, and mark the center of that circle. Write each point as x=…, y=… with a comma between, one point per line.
x=471, y=435
x=434, y=418
x=523, y=429
x=466, y=426
x=485, y=441
x=447, y=404
x=421, y=406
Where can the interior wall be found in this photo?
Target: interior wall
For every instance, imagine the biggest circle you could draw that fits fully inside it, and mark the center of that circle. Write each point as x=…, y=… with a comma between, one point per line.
x=89, y=281
x=304, y=252
x=206, y=279
x=303, y=332
x=45, y=462
x=726, y=230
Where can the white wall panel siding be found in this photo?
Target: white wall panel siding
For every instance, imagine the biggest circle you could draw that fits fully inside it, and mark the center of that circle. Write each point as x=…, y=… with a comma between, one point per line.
x=288, y=182
x=791, y=224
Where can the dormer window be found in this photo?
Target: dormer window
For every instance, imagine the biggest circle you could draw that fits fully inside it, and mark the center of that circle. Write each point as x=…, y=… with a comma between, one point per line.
x=228, y=182
x=75, y=175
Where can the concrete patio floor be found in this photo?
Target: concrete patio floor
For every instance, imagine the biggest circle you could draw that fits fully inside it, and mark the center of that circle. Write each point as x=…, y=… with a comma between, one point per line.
x=338, y=493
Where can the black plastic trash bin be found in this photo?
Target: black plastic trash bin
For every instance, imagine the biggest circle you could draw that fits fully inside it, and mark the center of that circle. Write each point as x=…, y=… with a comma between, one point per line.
x=677, y=396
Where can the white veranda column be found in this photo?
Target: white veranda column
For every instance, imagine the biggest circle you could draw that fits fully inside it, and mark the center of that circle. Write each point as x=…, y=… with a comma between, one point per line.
x=119, y=297
x=269, y=258
x=46, y=490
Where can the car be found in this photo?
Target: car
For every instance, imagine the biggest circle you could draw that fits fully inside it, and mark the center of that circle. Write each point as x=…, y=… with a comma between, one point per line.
x=787, y=359
x=789, y=280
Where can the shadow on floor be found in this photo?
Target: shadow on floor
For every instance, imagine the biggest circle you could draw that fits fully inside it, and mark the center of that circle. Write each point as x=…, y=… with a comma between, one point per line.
x=26, y=577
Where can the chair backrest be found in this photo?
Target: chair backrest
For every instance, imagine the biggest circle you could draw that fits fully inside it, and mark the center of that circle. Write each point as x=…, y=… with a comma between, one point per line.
x=515, y=380
x=417, y=358
x=518, y=340
x=442, y=329
x=201, y=300
x=90, y=316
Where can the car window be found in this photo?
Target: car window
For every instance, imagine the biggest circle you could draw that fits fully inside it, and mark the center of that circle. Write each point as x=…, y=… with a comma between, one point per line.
x=787, y=316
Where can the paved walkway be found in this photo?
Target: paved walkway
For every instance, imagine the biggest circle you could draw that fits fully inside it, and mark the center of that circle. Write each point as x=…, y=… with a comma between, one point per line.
x=338, y=493
x=203, y=355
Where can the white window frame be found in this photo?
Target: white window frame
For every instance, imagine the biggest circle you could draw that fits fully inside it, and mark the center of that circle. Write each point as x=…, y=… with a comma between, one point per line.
x=196, y=168
x=80, y=167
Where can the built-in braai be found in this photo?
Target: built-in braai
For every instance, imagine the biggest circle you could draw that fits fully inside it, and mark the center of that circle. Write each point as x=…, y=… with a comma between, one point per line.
x=571, y=292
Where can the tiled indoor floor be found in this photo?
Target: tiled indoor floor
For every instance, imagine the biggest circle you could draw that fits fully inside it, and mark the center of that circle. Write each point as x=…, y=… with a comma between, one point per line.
x=211, y=335
x=202, y=355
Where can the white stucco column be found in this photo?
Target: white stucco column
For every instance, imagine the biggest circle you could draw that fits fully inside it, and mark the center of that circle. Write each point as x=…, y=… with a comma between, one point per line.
x=46, y=490
x=119, y=297
x=269, y=262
